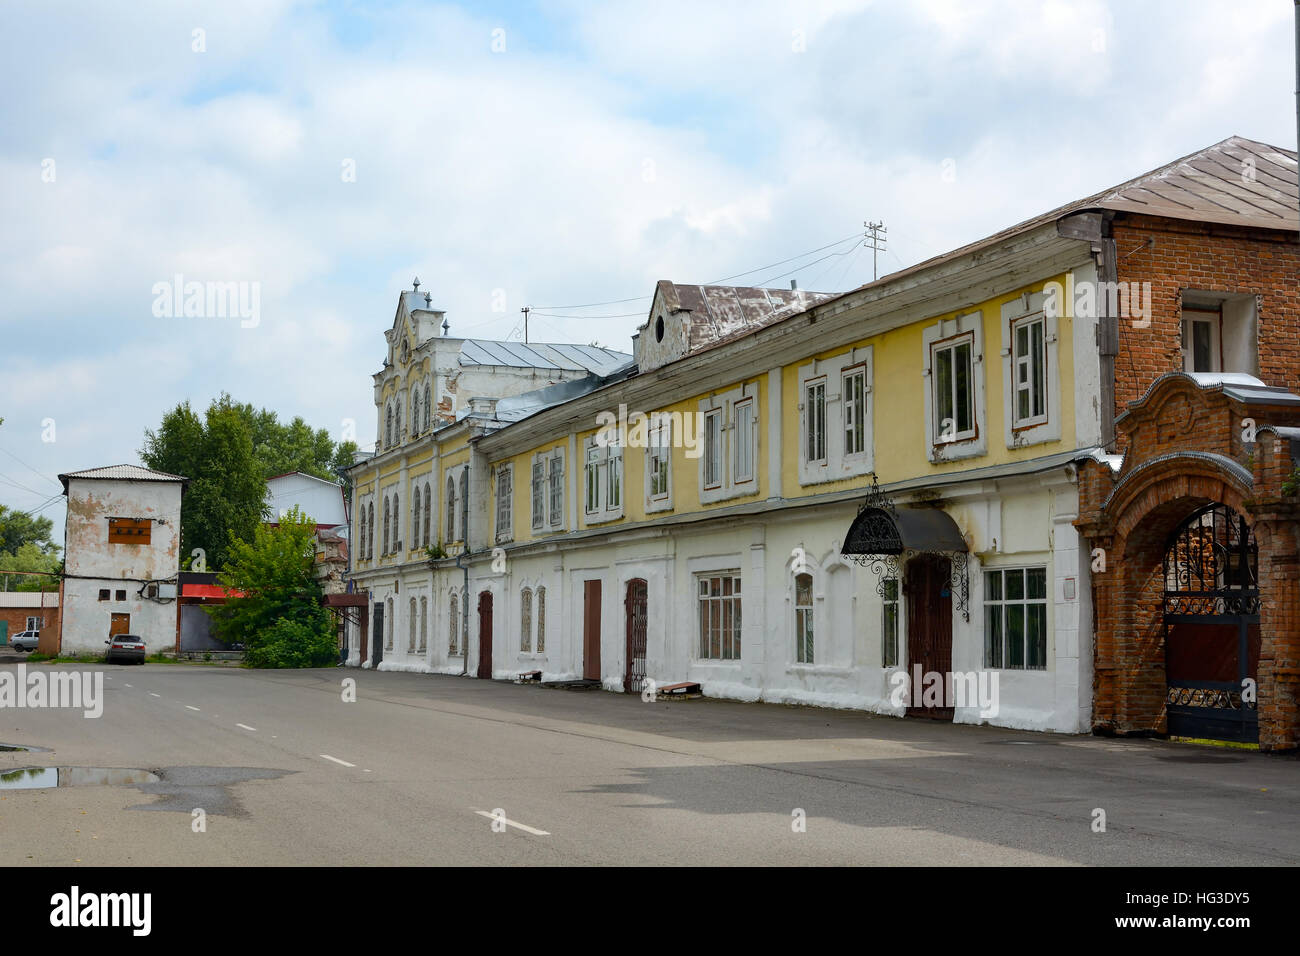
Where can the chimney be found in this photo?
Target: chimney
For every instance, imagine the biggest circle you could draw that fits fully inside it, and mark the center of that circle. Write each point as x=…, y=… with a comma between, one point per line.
x=794, y=285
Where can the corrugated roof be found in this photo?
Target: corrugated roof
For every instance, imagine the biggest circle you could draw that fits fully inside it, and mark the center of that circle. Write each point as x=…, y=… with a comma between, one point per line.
x=569, y=358
x=121, y=473
x=721, y=312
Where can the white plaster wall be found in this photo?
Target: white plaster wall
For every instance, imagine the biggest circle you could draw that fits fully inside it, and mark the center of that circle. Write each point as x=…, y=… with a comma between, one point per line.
x=322, y=501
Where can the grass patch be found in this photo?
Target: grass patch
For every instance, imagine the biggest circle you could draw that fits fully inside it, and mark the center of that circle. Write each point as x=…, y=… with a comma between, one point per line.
x=1206, y=742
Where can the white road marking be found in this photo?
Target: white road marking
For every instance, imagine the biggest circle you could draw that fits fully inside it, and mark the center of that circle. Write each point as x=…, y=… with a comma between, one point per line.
x=338, y=761
x=152, y=694
x=246, y=727
x=128, y=685
x=511, y=823
x=191, y=707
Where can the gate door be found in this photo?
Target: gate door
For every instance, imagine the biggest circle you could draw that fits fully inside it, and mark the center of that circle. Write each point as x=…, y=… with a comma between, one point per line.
x=1211, y=617
x=485, y=635
x=635, y=602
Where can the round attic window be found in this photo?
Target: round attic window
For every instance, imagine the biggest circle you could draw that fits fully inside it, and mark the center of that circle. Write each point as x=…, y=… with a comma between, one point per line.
x=659, y=329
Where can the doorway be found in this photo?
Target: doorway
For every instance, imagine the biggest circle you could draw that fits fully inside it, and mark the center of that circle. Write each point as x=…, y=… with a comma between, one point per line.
x=927, y=584
x=119, y=624
x=635, y=606
x=591, y=630
x=485, y=635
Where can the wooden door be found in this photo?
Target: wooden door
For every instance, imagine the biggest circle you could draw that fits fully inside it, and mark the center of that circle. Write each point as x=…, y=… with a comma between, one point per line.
x=635, y=603
x=378, y=639
x=591, y=630
x=119, y=624
x=485, y=635
x=928, y=586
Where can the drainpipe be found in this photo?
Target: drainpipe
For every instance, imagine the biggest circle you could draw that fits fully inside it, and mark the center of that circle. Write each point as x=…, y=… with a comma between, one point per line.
x=1108, y=334
x=464, y=611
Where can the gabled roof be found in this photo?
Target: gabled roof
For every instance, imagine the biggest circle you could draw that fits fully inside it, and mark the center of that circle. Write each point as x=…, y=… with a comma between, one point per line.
x=721, y=312
x=120, y=473
x=569, y=358
x=1210, y=185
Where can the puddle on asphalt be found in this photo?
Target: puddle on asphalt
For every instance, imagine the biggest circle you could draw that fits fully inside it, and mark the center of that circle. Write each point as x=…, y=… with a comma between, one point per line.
x=22, y=748
x=41, y=778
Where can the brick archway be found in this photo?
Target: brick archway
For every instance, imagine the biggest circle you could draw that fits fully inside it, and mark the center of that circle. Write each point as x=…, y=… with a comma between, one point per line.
x=1128, y=534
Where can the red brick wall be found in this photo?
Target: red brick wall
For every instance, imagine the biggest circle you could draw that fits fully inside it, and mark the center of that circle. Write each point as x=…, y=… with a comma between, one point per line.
x=1214, y=259
x=17, y=617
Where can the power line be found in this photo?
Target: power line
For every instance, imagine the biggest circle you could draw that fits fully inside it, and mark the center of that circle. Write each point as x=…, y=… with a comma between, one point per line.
x=31, y=469
x=770, y=265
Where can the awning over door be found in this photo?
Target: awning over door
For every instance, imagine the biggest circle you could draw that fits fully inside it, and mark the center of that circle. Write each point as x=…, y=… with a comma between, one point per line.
x=885, y=531
x=883, y=538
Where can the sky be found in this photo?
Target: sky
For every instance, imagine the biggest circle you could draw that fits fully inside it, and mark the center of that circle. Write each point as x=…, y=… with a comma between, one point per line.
x=321, y=154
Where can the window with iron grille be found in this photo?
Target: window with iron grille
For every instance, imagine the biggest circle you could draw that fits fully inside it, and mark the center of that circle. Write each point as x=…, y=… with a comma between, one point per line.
x=505, y=503
x=719, y=616
x=1015, y=618
x=889, y=623
x=803, y=618
x=541, y=620
x=526, y=621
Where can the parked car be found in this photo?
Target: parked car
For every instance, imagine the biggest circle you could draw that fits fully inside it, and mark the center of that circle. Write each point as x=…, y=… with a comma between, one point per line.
x=25, y=641
x=125, y=648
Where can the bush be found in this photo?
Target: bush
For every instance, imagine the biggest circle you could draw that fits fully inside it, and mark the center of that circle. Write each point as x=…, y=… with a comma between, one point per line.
x=289, y=643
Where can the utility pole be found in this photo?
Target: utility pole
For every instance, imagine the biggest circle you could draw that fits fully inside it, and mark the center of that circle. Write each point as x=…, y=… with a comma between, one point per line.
x=528, y=308
x=876, y=240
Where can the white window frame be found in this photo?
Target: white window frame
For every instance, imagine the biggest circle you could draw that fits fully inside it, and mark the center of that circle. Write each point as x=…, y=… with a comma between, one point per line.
x=714, y=458
x=1027, y=308
x=834, y=373
x=1003, y=602
x=744, y=438
x=943, y=334
x=733, y=642
x=505, y=493
x=896, y=604
x=854, y=418
x=805, y=621
x=602, y=466
x=537, y=492
x=555, y=488
x=722, y=406
x=659, y=448
x=1202, y=315
x=813, y=435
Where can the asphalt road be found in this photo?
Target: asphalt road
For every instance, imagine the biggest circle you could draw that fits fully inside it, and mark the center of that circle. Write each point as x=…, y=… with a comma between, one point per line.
x=288, y=772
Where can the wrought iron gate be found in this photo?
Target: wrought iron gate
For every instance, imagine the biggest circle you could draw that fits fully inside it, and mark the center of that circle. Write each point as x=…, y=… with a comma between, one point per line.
x=635, y=603
x=1211, y=618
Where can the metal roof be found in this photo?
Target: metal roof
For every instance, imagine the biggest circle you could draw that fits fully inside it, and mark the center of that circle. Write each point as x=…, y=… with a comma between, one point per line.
x=721, y=312
x=121, y=473
x=568, y=358
x=1237, y=385
x=880, y=531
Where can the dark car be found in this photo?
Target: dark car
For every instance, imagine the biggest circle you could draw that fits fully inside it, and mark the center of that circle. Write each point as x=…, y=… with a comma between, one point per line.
x=125, y=648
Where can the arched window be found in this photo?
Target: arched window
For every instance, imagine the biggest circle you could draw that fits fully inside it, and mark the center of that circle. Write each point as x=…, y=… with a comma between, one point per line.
x=464, y=504
x=428, y=511
x=397, y=421
x=415, y=519
x=397, y=525
x=803, y=618
x=453, y=643
x=526, y=621
x=389, y=623
x=541, y=621
x=424, y=624
x=388, y=427
x=428, y=406
x=387, y=519
x=370, y=527
x=415, y=412
x=451, y=509
x=410, y=641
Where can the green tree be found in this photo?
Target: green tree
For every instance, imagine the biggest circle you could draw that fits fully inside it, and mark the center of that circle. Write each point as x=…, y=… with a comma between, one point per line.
x=226, y=498
x=18, y=528
x=282, y=447
x=30, y=557
x=279, y=617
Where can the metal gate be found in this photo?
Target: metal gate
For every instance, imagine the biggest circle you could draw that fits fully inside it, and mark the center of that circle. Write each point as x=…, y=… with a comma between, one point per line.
x=1211, y=618
x=635, y=603
x=377, y=638
x=485, y=635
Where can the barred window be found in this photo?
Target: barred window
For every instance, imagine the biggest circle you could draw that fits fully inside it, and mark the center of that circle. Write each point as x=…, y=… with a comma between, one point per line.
x=1015, y=618
x=719, y=615
x=889, y=623
x=526, y=620
x=803, y=618
x=541, y=620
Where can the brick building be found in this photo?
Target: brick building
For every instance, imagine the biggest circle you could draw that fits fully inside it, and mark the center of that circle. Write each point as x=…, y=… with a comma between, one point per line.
x=1192, y=532
x=29, y=611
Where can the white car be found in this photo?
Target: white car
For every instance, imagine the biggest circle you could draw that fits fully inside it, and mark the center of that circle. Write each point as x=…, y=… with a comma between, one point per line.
x=25, y=641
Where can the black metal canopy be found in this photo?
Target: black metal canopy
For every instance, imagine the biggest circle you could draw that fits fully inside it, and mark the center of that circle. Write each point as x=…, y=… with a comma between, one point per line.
x=886, y=531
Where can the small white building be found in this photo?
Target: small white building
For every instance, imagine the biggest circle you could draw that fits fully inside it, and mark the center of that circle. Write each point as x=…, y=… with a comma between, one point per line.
x=122, y=542
x=319, y=499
